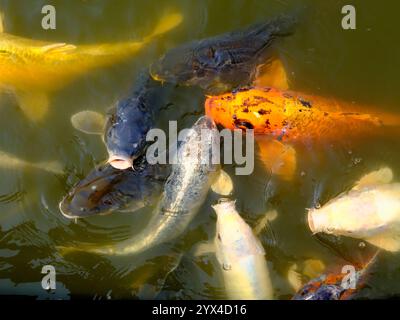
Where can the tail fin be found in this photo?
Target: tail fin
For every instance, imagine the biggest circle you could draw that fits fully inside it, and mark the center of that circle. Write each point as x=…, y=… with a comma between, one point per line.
x=166, y=24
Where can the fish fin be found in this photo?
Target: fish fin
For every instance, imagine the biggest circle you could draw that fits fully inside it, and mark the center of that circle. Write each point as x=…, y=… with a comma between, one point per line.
x=50, y=166
x=278, y=158
x=262, y=223
x=166, y=24
x=202, y=249
x=312, y=268
x=272, y=74
x=223, y=185
x=388, y=243
x=35, y=105
x=294, y=277
x=55, y=48
x=381, y=176
x=1, y=22
x=267, y=236
x=90, y=122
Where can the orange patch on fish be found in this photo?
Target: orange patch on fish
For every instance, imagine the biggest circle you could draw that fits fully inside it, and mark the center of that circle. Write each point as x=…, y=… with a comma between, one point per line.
x=287, y=115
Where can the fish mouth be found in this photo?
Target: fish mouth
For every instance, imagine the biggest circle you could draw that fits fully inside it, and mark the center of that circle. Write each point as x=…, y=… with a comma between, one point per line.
x=120, y=162
x=62, y=208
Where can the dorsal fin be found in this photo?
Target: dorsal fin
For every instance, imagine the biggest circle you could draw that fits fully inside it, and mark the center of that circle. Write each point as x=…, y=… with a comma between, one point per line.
x=381, y=176
x=272, y=74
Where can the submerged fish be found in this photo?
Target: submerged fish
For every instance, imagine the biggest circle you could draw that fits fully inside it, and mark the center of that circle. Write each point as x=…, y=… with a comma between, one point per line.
x=130, y=120
x=106, y=189
x=286, y=115
x=33, y=68
x=336, y=285
x=126, y=125
x=9, y=161
x=222, y=63
x=370, y=211
x=184, y=193
x=241, y=256
x=326, y=287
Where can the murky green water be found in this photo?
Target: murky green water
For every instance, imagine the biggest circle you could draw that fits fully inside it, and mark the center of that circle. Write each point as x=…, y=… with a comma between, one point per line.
x=359, y=65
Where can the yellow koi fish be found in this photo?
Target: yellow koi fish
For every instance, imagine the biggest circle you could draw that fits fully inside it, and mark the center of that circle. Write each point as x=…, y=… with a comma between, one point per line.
x=32, y=69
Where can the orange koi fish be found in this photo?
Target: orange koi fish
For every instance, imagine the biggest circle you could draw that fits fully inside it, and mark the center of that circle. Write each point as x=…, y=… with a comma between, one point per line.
x=286, y=115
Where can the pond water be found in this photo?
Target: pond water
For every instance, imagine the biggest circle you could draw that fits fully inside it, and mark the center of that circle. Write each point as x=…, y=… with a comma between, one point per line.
x=321, y=58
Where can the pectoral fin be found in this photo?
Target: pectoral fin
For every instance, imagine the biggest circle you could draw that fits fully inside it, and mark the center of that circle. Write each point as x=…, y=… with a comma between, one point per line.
x=381, y=176
x=272, y=74
x=202, y=248
x=389, y=243
x=223, y=185
x=90, y=122
x=35, y=105
x=277, y=158
x=262, y=223
x=166, y=24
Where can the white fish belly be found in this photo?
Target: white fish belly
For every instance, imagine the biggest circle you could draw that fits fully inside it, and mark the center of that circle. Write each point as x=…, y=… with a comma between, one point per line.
x=248, y=279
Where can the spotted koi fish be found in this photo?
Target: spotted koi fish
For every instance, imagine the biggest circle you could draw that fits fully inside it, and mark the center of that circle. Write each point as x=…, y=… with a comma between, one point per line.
x=286, y=115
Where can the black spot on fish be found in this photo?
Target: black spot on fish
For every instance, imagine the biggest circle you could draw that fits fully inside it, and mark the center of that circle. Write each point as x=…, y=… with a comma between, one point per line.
x=243, y=124
x=246, y=110
x=305, y=103
x=262, y=111
x=287, y=95
x=234, y=117
x=267, y=89
x=267, y=124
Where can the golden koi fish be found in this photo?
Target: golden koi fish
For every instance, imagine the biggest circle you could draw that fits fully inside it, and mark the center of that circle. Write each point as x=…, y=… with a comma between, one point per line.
x=33, y=69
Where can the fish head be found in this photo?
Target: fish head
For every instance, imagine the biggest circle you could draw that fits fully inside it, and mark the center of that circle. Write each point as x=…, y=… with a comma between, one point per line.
x=191, y=65
x=354, y=215
x=125, y=137
x=104, y=190
x=234, y=238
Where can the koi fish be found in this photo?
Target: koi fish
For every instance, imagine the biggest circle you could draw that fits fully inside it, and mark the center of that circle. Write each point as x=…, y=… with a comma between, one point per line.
x=369, y=211
x=224, y=62
x=32, y=69
x=185, y=191
x=127, y=123
x=286, y=115
x=106, y=189
x=335, y=285
x=241, y=256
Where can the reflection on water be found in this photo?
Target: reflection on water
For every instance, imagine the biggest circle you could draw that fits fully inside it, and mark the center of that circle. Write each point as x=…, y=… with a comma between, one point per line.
x=321, y=59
